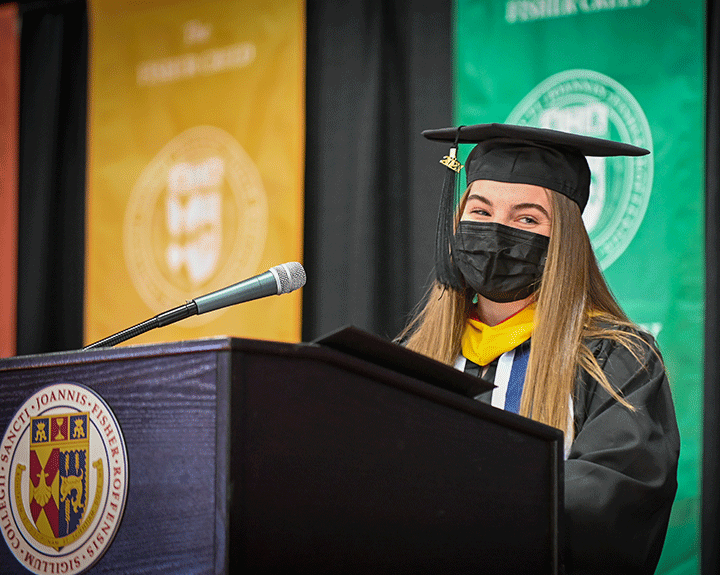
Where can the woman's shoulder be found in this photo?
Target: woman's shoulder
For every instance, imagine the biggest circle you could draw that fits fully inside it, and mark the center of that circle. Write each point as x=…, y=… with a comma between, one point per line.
x=631, y=361
x=604, y=329
x=607, y=337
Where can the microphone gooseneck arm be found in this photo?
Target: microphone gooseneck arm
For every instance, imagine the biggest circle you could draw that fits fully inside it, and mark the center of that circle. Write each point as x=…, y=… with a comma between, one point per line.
x=160, y=320
x=278, y=280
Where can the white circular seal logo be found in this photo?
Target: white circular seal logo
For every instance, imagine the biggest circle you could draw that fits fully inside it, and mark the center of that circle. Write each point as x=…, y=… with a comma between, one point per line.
x=592, y=104
x=63, y=480
x=196, y=219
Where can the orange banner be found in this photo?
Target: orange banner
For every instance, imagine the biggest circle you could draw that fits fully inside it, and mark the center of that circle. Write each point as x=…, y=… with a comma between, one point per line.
x=9, y=88
x=196, y=162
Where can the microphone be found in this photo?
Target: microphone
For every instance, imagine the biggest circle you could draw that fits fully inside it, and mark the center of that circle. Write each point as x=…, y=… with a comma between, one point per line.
x=278, y=280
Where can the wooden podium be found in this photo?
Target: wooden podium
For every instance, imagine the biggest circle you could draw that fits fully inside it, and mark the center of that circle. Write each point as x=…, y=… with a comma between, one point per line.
x=299, y=458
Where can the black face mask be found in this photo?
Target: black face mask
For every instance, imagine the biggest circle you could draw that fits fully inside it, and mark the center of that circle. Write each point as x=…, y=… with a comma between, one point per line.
x=501, y=263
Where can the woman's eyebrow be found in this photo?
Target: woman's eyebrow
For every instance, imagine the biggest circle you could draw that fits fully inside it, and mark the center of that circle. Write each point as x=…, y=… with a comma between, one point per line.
x=529, y=205
x=479, y=198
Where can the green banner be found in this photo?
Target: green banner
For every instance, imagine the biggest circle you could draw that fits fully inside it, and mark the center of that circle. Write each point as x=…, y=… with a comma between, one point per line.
x=632, y=71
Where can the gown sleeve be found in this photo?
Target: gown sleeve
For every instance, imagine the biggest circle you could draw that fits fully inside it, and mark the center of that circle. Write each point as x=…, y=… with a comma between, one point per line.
x=621, y=472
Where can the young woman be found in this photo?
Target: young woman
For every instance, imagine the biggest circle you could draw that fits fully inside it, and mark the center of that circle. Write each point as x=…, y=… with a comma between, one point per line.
x=519, y=300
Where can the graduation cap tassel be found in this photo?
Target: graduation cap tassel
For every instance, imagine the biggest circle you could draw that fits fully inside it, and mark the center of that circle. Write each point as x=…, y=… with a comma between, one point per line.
x=445, y=270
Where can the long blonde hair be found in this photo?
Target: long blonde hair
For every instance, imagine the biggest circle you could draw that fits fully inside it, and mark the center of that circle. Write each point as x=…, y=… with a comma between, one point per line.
x=574, y=304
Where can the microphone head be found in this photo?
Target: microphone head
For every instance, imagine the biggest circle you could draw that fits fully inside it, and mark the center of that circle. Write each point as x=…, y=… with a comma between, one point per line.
x=289, y=277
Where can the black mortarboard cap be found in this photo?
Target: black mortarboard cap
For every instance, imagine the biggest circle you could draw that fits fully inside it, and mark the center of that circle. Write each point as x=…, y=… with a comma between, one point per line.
x=516, y=154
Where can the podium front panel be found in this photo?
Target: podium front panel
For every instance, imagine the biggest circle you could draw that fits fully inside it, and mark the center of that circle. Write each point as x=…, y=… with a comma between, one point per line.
x=166, y=405
x=280, y=458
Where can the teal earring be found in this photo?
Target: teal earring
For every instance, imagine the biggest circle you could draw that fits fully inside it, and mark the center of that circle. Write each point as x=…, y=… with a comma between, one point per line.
x=475, y=299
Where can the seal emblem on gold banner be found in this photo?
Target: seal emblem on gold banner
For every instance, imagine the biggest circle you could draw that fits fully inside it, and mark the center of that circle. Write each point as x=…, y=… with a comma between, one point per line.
x=196, y=219
x=63, y=480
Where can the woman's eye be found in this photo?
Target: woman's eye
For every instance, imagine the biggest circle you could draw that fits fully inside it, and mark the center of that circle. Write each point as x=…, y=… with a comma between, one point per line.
x=528, y=220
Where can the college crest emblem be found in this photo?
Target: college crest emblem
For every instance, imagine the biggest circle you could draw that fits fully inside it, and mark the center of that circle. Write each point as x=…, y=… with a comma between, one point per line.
x=589, y=103
x=196, y=219
x=64, y=462
x=59, y=450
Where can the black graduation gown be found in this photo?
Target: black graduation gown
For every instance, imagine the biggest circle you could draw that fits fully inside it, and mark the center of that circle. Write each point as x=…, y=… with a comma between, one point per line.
x=621, y=472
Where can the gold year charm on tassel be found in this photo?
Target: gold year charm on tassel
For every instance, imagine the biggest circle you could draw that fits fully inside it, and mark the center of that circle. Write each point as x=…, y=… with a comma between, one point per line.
x=451, y=161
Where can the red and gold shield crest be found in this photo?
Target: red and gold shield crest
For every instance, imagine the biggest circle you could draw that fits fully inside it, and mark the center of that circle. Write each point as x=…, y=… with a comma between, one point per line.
x=59, y=451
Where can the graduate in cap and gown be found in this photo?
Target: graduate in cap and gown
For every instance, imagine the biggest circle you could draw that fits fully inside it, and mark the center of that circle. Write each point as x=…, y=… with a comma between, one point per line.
x=519, y=300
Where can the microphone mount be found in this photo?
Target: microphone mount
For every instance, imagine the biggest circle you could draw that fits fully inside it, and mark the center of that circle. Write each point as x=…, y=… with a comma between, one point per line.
x=278, y=280
x=160, y=320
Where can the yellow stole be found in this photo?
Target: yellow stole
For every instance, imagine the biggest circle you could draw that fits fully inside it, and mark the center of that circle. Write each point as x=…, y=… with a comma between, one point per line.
x=482, y=343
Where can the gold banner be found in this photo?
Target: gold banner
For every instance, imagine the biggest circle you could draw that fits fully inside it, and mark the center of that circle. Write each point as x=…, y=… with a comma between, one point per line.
x=196, y=162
